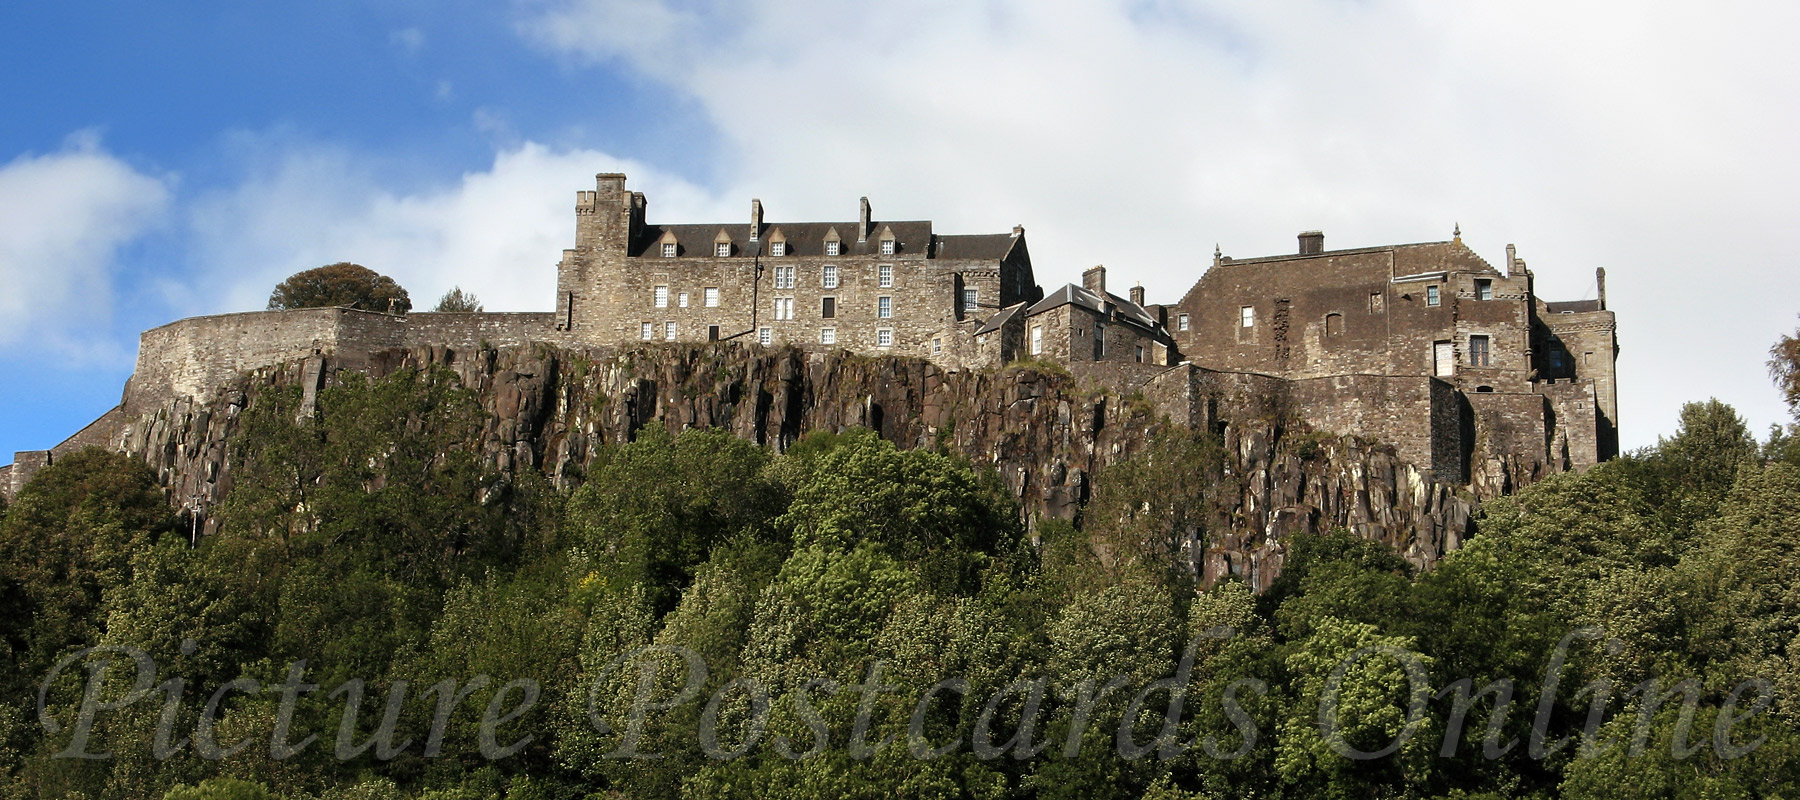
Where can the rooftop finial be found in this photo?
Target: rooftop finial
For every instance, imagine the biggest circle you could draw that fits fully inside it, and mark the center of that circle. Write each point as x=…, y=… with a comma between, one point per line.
x=1458, y=232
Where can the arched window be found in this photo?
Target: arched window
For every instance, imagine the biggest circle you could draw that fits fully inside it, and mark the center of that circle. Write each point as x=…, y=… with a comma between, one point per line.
x=1334, y=324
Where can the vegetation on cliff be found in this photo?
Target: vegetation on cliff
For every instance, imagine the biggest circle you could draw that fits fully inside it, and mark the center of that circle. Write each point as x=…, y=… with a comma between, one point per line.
x=379, y=616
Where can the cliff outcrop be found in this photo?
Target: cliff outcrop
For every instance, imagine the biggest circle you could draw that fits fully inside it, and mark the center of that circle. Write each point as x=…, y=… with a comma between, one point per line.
x=1044, y=432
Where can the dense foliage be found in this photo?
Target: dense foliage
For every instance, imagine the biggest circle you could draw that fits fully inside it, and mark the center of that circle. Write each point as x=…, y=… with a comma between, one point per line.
x=380, y=617
x=340, y=284
x=457, y=301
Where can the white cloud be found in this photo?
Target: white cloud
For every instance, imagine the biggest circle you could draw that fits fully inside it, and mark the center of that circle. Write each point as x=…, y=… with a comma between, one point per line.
x=408, y=40
x=63, y=218
x=1651, y=141
x=497, y=233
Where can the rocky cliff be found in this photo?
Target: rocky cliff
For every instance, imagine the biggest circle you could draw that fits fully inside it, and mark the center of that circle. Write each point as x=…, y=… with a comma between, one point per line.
x=1045, y=432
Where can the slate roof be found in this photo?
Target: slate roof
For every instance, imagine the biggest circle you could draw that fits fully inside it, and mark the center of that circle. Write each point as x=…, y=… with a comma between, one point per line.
x=997, y=321
x=984, y=246
x=1077, y=295
x=913, y=237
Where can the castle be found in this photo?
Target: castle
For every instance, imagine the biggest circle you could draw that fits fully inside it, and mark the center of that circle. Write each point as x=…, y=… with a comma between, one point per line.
x=1426, y=347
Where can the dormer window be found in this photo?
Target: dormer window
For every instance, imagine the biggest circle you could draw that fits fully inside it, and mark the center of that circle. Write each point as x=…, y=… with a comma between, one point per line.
x=778, y=248
x=668, y=249
x=669, y=246
x=887, y=247
x=722, y=249
x=833, y=248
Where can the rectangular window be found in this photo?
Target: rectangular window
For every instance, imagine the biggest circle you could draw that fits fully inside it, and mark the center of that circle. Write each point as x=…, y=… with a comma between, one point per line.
x=884, y=337
x=1037, y=339
x=1375, y=303
x=661, y=296
x=1099, y=340
x=1247, y=317
x=668, y=249
x=828, y=336
x=884, y=307
x=784, y=308
x=647, y=330
x=1556, y=361
x=1181, y=322
x=765, y=336
x=884, y=276
x=722, y=249
x=969, y=297
x=1484, y=289
x=832, y=249
x=1431, y=295
x=887, y=247
x=778, y=248
x=1443, y=358
x=1478, y=351
x=681, y=299
x=937, y=346
x=1140, y=354
x=827, y=308
x=828, y=276
x=784, y=277
x=668, y=331
x=710, y=296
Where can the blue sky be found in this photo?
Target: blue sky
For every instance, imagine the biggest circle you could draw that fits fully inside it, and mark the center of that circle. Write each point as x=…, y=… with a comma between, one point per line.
x=165, y=160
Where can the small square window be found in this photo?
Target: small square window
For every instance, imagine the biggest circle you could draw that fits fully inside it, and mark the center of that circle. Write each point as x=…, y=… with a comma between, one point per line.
x=778, y=248
x=1431, y=295
x=722, y=249
x=884, y=337
x=827, y=308
x=828, y=336
x=668, y=250
x=710, y=296
x=1247, y=317
x=828, y=276
x=1181, y=322
x=765, y=336
x=647, y=330
x=1484, y=289
x=884, y=276
x=661, y=296
x=887, y=247
x=833, y=248
x=884, y=307
x=681, y=299
x=669, y=331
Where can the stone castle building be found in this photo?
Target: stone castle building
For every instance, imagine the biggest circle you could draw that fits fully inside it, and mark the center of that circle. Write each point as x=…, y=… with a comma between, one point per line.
x=1426, y=347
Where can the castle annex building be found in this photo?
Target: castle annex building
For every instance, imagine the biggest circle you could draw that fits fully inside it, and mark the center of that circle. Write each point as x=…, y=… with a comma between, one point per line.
x=1428, y=347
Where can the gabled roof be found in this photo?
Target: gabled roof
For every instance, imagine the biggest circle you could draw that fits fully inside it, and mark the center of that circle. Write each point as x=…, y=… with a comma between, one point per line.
x=998, y=321
x=984, y=246
x=1070, y=294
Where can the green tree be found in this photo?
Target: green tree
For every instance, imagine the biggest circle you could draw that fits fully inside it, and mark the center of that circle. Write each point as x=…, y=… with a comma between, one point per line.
x=457, y=301
x=340, y=284
x=221, y=789
x=1699, y=463
x=1784, y=367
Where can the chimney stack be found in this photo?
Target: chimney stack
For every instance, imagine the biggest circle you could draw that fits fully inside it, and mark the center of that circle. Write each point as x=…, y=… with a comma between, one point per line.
x=1018, y=231
x=1512, y=258
x=1600, y=280
x=1094, y=280
x=1137, y=295
x=862, y=231
x=755, y=219
x=1312, y=242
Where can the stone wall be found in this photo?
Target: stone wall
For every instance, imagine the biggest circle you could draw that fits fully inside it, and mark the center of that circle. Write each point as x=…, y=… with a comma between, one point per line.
x=1510, y=432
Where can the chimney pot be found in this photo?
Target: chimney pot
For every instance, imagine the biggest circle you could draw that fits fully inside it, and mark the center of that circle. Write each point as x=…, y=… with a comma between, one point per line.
x=1312, y=242
x=1137, y=295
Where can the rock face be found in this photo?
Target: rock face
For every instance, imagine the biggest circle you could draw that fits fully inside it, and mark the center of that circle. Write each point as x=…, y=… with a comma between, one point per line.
x=1045, y=433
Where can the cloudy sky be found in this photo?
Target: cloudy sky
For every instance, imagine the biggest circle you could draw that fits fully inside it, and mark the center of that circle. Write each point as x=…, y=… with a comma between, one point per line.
x=159, y=163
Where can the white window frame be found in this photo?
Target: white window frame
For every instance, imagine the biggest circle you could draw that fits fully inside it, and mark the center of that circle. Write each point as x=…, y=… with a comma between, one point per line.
x=1037, y=339
x=1432, y=297
x=668, y=331
x=710, y=295
x=1247, y=316
x=778, y=249
x=937, y=345
x=721, y=249
x=1181, y=322
x=971, y=299
x=784, y=309
x=784, y=277
x=887, y=247
x=681, y=299
x=828, y=276
x=884, y=276
x=659, y=296
x=765, y=336
x=884, y=337
x=668, y=249
x=828, y=336
x=1484, y=289
x=834, y=248
x=884, y=307
x=647, y=331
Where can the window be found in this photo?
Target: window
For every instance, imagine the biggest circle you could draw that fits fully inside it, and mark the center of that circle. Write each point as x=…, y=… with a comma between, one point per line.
x=1140, y=354
x=1334, y=324
x=661, y=294
x=710, y=296
x=937, y=346
x=1431, y=295
x=712, y=333
x=784, y=277
x=669, y=331
x=969, y=297
x=784, y=308
x=884, y=276
x=828, y=276
x=646, y=331
x=1181, y=322
x=884, y=337
x=722, y=249
x=1484, y=289
x=1037, y=339
x=681, y=299
x=884, y=307
x=778, y=248
x=1556, y=360
x=1247, y=317
x=827, y=308
x=765, y=335
x=1099, y=340
x=1443, y=359
x=1375, y=302
x=833, y=248
x=1478, y=351
x=887, y=247
x=668, y=249
x=828, y=336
